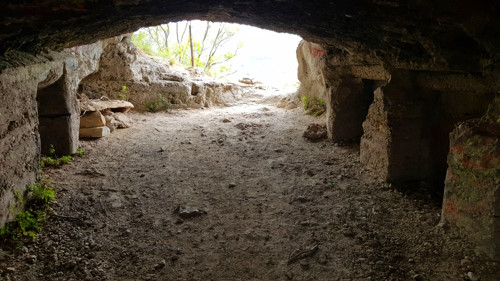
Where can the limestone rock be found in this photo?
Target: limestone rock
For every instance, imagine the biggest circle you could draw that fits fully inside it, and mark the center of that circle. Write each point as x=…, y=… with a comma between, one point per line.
x=471, y=202
x=100, y=105
x=92, y=119
x=122, y=119
x=315, y=132
x=248, y=81
x=95, y=132
x=127, y=73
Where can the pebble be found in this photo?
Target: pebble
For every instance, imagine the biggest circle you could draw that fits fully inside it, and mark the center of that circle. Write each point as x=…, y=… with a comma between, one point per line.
x=10, y=269
x=161, y=264
x=465, y=262
x=305, y=265
x=232, y=185
x=31, y=259
x=417, y=277
x=472, y=276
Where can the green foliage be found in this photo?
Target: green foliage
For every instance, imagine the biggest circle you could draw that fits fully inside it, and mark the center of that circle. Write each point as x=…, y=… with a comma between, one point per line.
x=52, y=150
x=28, y=222
x=48, y=161
x=80, y=152
x=53, y=160
x=313, y=106
x=40, y=193
x=157, y=103
x=171, y=42
x=124, y=94
x=26, y=225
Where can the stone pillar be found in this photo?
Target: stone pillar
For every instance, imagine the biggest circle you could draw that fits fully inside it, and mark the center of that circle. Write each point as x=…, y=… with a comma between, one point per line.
x=309, y=72
x=406, y=130
x=394, y=145
x=472, y=187
x=59, y=113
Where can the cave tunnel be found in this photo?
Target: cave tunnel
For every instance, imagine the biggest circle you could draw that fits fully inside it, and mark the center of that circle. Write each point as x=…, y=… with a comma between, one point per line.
x=416, y=84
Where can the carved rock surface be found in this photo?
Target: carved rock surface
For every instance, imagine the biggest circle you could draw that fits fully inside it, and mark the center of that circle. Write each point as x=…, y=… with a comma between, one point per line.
x=411, y=34
x=472, y=186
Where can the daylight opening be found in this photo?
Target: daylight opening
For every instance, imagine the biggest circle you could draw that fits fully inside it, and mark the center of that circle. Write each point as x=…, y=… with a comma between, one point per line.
x=227, y=51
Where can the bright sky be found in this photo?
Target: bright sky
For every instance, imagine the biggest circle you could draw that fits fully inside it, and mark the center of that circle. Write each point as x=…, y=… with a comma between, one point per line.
x=266, y=56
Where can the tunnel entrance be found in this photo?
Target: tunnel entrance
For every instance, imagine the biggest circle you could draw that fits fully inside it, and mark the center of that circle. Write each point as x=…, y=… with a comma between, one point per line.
x=280, y=215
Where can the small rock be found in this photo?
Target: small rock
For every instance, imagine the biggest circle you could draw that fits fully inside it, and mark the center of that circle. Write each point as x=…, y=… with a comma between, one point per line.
x=301, y=199
x=232, y=185
x=323, y=259
x=315, y=132
x=225, y=120
x=189, y=213
x=305, y=265
x=417, y=277
x=31, y=259
x=10, y=269
x=162, y=149
x=25, y=249
x=465, y=262
x=472, y=276
x=310, y=173
x=161, y=264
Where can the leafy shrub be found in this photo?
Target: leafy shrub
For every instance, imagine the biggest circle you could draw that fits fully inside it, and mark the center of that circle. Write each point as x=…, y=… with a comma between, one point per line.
x=157, y=103
x=28, y=222
x=313, y=106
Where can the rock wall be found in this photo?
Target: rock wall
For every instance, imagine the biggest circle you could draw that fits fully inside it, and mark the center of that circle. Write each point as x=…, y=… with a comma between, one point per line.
x=406, y=131
x=19, y=138
x=38, y=108
x=309, y=72
x=472, y=186
x=127, y=73
x=346, y=83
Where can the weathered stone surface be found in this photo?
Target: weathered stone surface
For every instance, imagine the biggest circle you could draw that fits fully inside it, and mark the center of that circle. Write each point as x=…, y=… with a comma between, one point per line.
x=309, y=72
x=406, y=130
x=410, y=34
x=122, y=119
x=61, y=132
x=315, y=132
x=19, y=140
x=46, y=82
x=95, y=132
x=127, y=73
x=345, y=82
x=472, y=186
x=101, y=105
x=347, y=107
x=92, y=119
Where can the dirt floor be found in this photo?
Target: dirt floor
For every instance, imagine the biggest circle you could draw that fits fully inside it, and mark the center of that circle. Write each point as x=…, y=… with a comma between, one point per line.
x=233, y=193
